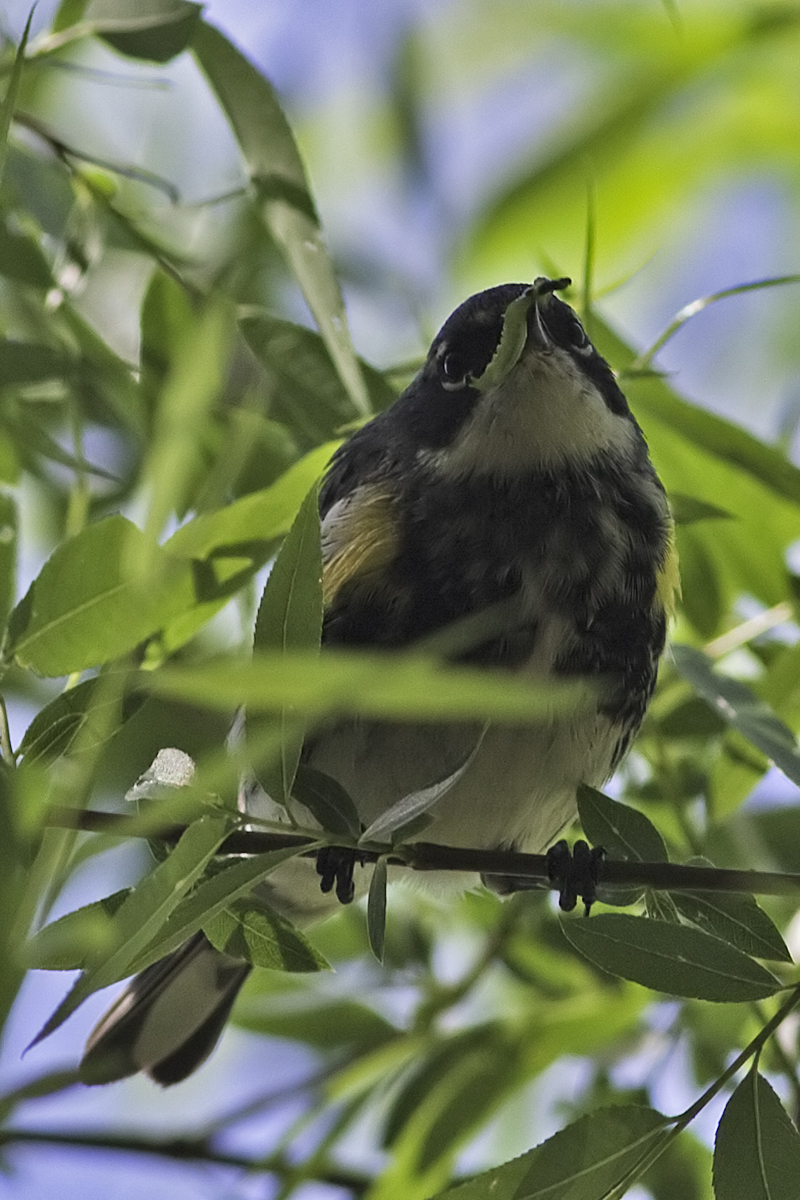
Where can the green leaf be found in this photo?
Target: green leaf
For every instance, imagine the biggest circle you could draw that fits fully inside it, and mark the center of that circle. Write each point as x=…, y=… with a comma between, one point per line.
x=740, y=707
x=327, y=801
x=722, y=438
x=22, y=260
x=167, y=319
x=250, y=526
x=623, y=831
x=455, y=1087
x=702, y=599
x=585, y=1161
x=56, y=727
x=142, y=913
x=256, y=933
x=408, y=809
x=669, y=958
x=8, y=554
x=712, y=459
x=738, y=920
x=285, y=202
x=358, y=683
x=376, y=909
x=32, y=362
x=77, y=938
x=90, y=603
x=155, y=30
x=757, y=1148
x=193, y=384
x=69, y=13
x=688, y=509
x=208, y=901
x=290, y=618
x=309, y=394
x=326, y=1026
x=9, y=101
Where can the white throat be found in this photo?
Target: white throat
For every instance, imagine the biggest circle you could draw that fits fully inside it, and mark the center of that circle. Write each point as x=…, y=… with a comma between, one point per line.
x=544, y=414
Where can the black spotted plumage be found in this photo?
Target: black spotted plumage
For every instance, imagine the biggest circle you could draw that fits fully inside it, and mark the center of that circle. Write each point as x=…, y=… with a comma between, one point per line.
x=505, y=502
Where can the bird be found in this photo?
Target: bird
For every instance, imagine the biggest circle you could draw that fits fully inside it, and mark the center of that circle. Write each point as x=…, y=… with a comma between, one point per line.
x=510, y=483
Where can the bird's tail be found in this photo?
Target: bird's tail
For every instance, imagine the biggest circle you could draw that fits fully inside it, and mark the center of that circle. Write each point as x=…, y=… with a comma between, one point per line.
x=168, y=1019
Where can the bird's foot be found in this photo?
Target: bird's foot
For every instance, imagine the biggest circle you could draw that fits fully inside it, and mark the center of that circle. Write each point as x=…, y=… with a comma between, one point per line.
x=335, y=867
x=575, y=874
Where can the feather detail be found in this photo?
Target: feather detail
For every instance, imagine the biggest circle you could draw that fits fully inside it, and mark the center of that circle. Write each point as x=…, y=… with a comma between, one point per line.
x=359, y=539
x=668, y=578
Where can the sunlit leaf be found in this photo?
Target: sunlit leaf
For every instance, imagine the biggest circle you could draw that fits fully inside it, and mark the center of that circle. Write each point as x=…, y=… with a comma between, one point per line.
x=90, y=602
x=582, y=1162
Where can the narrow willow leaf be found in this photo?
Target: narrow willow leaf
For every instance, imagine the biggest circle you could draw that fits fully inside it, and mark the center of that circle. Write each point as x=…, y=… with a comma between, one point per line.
x=376, y=909
x=757, y=1148
x=279, y=178
x=437, y=1066
x=309, y=397
x=361, y=683
x=253, y=931
x=30, y=362
x=250, y=526
x=327, y=1026
x=703, y=599
x=9, y=101
x=688, y=509
x=193, y=384
x=143, y=912
x=70, y=942
x=57, y=726
x=8, y=554
x=154, y=30
x=90, y=604
x=21, y=259
x=623, y=831
x=737, y=704
x=208, y=901
x=669, y=958
x=327, y=801
x=408, y=808
x=290, y=618
x=480, y=1082
x=34, y=1089
x=585, y=1161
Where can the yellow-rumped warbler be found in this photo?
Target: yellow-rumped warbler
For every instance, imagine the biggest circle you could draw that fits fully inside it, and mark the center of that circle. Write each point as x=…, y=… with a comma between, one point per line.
x=511, y=470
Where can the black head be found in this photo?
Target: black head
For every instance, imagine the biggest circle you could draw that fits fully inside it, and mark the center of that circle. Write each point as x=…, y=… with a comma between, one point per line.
x=483, y=350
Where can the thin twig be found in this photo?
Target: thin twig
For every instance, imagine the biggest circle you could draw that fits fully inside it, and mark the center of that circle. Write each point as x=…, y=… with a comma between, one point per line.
x=429, y=856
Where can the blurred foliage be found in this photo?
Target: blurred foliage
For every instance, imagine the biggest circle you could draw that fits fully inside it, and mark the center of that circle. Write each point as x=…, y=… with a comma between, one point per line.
x=174, y=351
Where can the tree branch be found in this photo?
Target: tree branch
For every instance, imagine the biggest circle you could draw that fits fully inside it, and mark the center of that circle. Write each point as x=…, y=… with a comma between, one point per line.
x=184, y=1150
x=429, y=856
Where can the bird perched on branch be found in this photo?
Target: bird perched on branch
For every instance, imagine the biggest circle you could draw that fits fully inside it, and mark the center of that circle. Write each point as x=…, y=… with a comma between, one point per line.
x=509, y=483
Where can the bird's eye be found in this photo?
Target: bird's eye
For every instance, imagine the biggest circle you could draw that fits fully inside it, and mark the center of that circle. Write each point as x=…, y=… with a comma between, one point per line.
x=454, y=370
x=577, y=336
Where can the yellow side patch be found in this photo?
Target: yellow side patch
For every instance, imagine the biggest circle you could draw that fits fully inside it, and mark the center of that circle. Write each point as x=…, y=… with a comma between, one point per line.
x=668, y=580
x=365, y=541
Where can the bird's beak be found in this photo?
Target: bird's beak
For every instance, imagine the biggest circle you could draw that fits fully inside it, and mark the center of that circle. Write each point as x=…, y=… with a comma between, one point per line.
x=539, y=339
x=523, y=329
